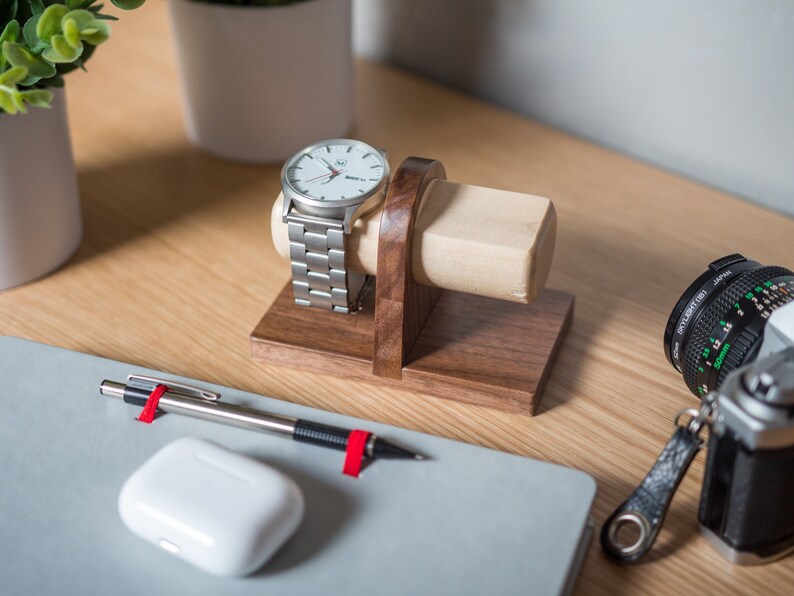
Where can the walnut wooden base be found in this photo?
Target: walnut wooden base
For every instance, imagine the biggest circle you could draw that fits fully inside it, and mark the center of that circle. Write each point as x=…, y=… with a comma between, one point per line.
x=475, y=350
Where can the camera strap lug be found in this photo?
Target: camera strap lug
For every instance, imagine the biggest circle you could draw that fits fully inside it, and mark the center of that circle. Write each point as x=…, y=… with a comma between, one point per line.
x=644, y=510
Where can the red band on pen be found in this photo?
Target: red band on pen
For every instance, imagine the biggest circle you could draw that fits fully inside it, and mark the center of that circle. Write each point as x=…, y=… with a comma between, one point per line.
x=149, y=410
x=354, y=454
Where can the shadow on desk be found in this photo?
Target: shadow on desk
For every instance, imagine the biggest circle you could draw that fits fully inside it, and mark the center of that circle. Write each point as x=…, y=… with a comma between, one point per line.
x=624, y=288
x=328, y=510
x=125, y=200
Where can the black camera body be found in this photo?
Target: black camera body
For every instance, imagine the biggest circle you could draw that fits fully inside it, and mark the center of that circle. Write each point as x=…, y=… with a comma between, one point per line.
x=747, y=502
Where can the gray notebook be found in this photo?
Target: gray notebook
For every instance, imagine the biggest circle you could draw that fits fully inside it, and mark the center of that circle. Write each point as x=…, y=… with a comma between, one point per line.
x=467, y=521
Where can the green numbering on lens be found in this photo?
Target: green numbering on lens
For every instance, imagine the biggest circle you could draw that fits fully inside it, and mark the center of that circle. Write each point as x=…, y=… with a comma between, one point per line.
x=718, y=362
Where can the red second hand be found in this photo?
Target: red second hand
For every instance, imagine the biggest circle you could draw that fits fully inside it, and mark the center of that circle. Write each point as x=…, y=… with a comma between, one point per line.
x=332, y=173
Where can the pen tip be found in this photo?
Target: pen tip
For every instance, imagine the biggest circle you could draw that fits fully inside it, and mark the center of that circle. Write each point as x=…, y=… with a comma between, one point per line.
x=417, y=456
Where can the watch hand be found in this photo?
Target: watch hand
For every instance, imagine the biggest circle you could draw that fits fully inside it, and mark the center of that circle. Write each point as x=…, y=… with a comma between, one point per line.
x=333, y=173
x=326, y=164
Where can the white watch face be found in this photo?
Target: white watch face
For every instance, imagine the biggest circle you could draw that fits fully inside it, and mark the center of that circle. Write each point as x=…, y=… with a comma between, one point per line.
x=337, y=170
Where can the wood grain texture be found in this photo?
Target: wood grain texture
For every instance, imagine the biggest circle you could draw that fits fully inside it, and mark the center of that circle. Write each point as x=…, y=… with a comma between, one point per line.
x=473, y=350
x=402, y=306
x=177, y=267
x=483, y=241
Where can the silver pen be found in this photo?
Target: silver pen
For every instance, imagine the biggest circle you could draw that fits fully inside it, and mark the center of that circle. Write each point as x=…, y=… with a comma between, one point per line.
x=195, y=402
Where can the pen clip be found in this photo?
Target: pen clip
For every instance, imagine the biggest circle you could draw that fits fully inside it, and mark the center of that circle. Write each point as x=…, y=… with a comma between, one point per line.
x=180, y=388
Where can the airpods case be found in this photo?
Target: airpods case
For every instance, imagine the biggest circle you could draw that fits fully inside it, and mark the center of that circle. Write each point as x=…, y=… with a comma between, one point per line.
x=224, y=513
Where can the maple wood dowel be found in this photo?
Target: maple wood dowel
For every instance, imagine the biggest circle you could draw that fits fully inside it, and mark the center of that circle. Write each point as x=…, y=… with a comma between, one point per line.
x=482, y=241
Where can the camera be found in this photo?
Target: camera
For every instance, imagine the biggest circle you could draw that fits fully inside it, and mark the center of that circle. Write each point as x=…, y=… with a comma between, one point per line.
x=731, y=336
x=732, y=333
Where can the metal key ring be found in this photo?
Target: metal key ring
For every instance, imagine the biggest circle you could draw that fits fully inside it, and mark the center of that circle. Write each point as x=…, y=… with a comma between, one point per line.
x=628, y=518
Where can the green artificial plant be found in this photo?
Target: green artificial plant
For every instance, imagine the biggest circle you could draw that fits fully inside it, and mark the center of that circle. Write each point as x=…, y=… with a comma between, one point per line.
x=42, y=40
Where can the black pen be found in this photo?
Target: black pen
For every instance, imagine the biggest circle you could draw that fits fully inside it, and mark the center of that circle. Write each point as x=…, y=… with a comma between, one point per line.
x=199, y=403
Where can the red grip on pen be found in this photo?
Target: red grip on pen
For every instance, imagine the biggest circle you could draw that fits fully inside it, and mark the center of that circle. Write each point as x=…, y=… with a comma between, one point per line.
x=149, y=410
x=354, y=454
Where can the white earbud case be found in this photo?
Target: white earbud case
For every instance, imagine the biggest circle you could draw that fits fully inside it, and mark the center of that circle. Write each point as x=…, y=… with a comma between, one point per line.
x=224, y=513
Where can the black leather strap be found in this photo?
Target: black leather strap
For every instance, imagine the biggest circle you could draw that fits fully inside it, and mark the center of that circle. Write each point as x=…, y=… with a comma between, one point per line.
x=647, y=505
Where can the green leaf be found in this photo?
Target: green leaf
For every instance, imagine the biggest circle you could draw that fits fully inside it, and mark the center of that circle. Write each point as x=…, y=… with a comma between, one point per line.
x=19, y=55
x=71, y=32
x=40, y=98
x=97, y=33
x=49, y=23
x=29, y=31
x=61, y=51
x=128, y=4
x=7, y=102
x=63, y=69
x=82, y=18
x=80, y=25
x=17, y=97
x=29, y=81
x=73, y=24
x=11, y=100
x=37, y=6
x=39, y=47
x=13, y=75
x=10, y=32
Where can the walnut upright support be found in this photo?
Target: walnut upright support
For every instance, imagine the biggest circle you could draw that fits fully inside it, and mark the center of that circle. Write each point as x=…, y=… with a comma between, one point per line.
x=401, y=305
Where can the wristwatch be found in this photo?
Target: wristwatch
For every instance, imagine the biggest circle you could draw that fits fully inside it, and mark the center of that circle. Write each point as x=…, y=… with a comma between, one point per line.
x=327, y=187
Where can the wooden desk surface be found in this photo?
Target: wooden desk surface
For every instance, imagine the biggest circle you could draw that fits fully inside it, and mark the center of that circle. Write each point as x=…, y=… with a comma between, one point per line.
x=177, y=267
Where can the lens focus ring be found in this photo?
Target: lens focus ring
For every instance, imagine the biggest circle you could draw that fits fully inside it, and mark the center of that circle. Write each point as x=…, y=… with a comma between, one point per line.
x=727, y=329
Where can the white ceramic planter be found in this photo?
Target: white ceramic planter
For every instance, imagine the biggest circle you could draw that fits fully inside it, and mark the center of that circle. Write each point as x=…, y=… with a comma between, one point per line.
x=40, y=224
x=259, y=82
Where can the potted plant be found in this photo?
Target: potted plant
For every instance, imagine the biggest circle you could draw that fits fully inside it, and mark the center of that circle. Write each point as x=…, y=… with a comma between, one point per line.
x=40, y=42
x=263, y=78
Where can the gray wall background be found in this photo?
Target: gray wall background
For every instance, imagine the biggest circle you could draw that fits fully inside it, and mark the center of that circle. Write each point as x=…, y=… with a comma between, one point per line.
x=704, y=88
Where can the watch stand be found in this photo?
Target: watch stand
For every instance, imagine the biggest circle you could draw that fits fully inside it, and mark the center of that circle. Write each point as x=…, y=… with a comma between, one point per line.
x=468, y=348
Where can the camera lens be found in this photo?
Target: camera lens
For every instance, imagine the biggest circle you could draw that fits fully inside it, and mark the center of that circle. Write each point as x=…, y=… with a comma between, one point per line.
x=718, y=323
